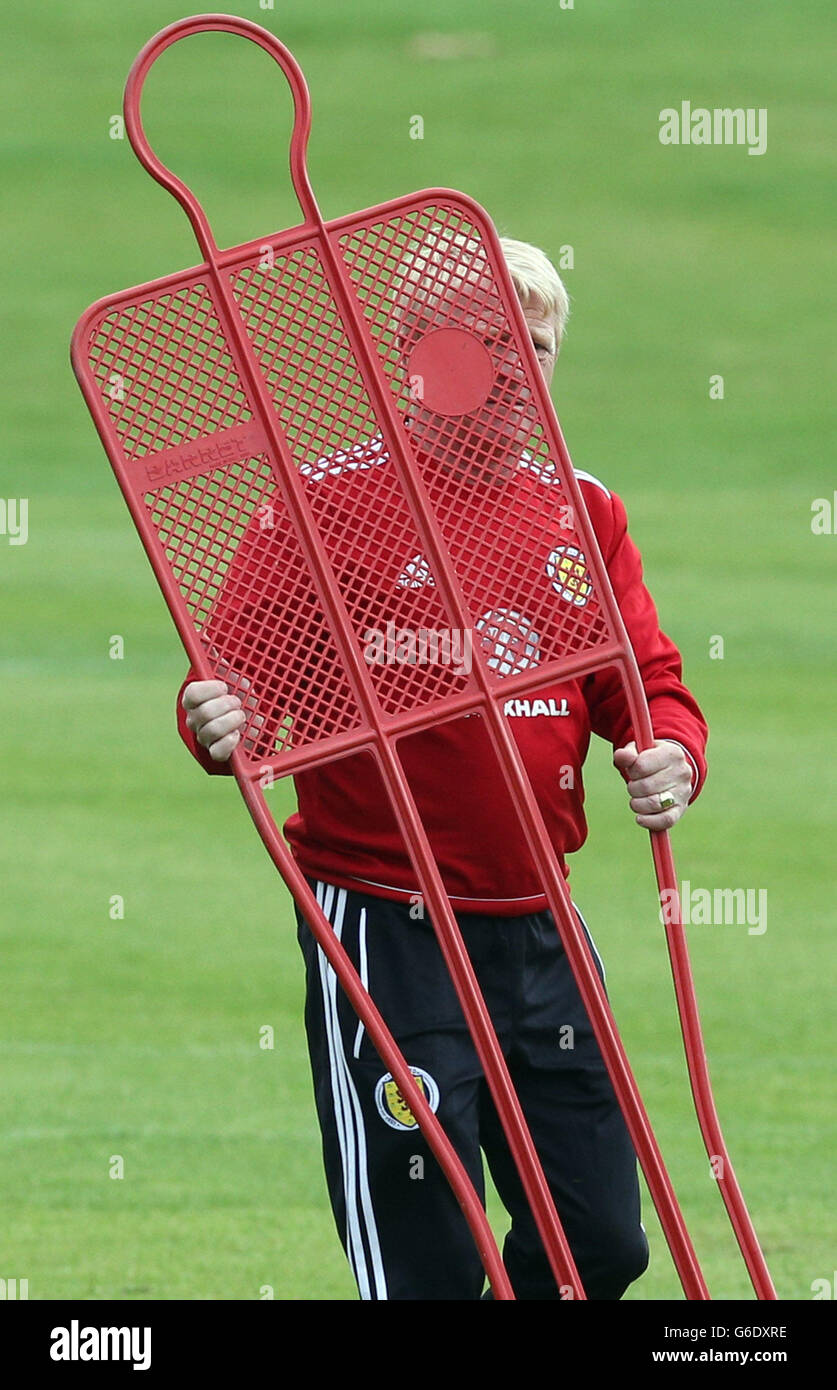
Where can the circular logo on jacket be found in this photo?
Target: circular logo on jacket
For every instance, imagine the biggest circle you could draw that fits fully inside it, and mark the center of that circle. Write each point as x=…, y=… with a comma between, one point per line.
x=567, y=568
x=511, y=640
x=392, y=1107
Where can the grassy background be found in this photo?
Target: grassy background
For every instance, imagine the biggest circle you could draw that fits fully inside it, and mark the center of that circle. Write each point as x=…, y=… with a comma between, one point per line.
x=139, y=1037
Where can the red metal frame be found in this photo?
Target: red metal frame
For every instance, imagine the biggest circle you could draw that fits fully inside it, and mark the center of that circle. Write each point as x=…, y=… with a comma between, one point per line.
x=375, y=729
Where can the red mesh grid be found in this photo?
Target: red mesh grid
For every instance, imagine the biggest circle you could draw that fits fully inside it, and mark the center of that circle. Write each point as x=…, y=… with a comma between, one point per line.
x=164, y=371
x=165, y=376
x=429, y=270
x=338, y=444
x=234, y=553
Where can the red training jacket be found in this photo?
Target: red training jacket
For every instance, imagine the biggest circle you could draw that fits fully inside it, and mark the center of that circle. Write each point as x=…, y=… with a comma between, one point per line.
x=345, y=831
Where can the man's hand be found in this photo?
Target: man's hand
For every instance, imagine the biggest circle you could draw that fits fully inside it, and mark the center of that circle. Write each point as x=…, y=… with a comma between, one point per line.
x=215, y=718
x=656, y=777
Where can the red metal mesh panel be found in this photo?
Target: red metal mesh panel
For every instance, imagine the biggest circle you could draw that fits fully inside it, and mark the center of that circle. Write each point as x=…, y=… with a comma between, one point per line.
x=307, y=360
x=243, y=577
x=414, y=274
x=175, y=400
x=165, y=372
x=337, y=443
x=201, y=522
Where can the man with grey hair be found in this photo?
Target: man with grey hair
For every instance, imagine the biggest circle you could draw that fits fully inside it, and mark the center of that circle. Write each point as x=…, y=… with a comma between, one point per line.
x=399, y=1222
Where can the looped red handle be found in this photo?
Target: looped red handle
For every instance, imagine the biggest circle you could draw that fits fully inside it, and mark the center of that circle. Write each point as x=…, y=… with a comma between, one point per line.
x=230, y=24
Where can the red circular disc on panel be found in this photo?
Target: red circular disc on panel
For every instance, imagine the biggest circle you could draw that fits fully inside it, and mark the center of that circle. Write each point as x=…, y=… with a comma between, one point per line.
x=450, y=372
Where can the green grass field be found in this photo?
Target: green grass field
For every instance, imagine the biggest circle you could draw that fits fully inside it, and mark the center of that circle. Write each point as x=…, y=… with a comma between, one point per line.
x=140, y=1037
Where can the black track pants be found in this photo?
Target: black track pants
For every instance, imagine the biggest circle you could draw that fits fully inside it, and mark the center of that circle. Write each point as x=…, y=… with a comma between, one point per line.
x=401, y=1227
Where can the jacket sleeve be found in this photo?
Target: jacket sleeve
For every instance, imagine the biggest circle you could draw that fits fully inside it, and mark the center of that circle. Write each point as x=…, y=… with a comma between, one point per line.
x=201, y=754
x=674, y=711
